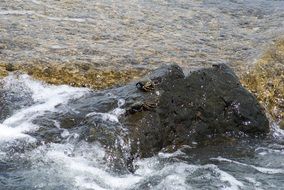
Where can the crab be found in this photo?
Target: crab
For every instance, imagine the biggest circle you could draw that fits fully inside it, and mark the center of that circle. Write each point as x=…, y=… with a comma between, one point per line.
x=145, y=86
x=142, y=106
x=149, y=105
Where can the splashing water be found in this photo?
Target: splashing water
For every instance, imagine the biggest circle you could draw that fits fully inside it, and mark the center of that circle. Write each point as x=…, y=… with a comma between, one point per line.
x=40, y=149
x=76, y=164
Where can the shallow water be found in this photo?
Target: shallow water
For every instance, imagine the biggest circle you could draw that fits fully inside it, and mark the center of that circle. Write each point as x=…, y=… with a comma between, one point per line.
x=138, y=33
x=69, y=162
x=38, y=151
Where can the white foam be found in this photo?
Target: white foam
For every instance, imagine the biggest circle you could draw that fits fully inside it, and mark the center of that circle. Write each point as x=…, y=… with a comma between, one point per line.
x=264, y=151
x=104, y=116
x=86, y=170
x=65, y=133
x=173, y=182
x=82, y=182
x=175, y=175
x=118, y=112
x=231, y=183
x=112, y=116
x=254, y=182
x=45, y=97
x=260, y=169
x=277, y=133
x=9, y=133
x=85, y=166
x=146, y=167
x=234, y=183
x=170, y=155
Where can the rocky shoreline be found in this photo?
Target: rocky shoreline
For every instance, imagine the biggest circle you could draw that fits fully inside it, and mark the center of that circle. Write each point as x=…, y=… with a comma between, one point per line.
x=171, y=110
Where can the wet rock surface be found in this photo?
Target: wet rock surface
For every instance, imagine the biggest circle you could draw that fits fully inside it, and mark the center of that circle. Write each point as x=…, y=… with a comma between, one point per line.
x=185, y=110
x=206, y=103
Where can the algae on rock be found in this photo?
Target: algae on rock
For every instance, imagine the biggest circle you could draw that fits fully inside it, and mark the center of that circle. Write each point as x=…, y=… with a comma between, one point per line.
x=79, y=75
x=266, y=80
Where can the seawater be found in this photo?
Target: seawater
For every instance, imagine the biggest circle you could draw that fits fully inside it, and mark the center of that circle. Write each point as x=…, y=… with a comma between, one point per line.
x=146, y=33
x=29, y=163
x=138, y=34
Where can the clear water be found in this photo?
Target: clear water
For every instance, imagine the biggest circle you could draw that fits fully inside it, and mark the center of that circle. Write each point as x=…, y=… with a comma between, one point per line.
x=147, y=33
x=192, y=33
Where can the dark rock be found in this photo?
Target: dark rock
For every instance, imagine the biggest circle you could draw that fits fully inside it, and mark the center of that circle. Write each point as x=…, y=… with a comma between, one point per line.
x=208, y=102
x=177, y=111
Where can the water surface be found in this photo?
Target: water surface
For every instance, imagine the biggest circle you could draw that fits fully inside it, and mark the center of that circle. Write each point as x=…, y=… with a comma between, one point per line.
x=36, y=152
